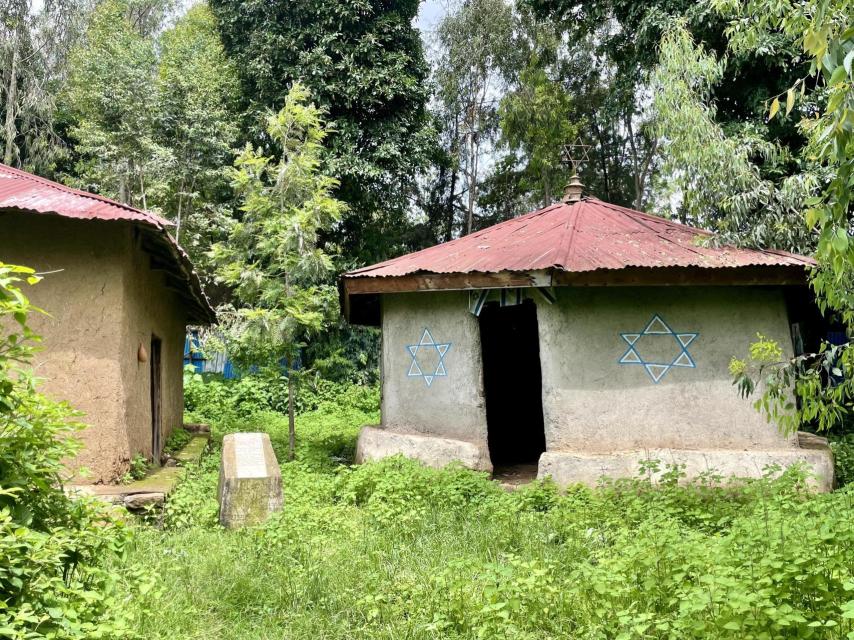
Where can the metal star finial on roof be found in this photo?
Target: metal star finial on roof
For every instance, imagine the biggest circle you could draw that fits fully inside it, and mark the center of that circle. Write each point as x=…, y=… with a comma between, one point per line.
x=574, y=154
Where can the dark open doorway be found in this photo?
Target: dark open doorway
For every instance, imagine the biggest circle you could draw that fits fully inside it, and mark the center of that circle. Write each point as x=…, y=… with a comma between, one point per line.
x=156, y=404
x=512, y=383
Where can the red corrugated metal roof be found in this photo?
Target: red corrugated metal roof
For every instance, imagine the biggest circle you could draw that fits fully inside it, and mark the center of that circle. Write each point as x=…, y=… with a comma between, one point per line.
x=22, y=190
x=584, y=236
x=27, y=193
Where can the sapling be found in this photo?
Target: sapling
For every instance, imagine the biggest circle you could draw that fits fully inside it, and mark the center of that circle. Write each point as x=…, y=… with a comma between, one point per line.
x=274, y=260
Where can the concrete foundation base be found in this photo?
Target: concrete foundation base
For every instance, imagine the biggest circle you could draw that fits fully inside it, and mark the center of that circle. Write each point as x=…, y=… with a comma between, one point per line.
x=566, y=467
x=375, y=443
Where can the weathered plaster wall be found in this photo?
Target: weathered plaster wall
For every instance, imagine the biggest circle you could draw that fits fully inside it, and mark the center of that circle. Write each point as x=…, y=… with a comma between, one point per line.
x=104, y=301
x=150, y=309
x=451, y=406
x=594, y=404
x=82, y=336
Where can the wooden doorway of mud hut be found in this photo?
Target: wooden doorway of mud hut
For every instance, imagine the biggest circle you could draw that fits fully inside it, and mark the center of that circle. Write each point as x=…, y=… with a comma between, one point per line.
x=512, y=383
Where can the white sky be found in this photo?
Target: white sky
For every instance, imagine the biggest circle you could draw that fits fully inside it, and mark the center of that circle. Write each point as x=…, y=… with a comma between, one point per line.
x=429, y=14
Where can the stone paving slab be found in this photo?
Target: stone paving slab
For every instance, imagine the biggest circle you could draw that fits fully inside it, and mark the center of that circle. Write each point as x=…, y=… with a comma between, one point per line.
x=193, y=450
x=155, y=486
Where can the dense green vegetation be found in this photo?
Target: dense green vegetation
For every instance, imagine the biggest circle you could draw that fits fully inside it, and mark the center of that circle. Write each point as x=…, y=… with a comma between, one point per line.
x=290, y=141
x=397, y=550
x=733, y=116
x=53, y=578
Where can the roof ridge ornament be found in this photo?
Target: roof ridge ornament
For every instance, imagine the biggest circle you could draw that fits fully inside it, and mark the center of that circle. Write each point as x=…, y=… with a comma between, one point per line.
x=573, y=155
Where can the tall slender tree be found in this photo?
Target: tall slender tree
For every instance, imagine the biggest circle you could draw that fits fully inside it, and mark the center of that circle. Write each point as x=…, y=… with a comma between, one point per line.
x=155, y=117
x=35, y=40
x=474, y=43
x=274, y=260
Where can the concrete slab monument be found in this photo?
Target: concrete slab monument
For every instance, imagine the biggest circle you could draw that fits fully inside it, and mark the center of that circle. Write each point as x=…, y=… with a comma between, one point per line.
x=250, y=482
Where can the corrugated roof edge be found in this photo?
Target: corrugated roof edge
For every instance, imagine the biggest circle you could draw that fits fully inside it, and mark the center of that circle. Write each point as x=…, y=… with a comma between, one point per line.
x=805, y=260
x=25, y=175
x=369, y=271
x=184, y=265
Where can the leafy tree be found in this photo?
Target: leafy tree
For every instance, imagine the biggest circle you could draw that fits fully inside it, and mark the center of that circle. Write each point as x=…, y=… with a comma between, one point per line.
x=732, y=179
x=35, y=39
x=622, y=37
x=537, y=115
x=197, y=124
x=824, y=98
x=364, y=64
x=824, y=33
x=111, y=99
x=274, y=259
x=536, y=120
x=474, y=43
x=155, y=117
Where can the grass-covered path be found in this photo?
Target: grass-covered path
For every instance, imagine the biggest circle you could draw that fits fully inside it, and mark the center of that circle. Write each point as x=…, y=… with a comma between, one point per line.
x=394, y=550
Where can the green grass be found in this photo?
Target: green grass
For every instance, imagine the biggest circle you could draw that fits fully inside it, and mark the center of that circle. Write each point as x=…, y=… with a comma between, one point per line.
x=395, y=550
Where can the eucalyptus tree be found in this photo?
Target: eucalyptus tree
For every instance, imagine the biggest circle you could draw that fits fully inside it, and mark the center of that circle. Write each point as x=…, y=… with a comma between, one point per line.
x=623, y=38
x=537, y=114
x=274, y=260
x=537, y=120
x=732, y=179
x=113, y=107
x=821, y=101
x=197, y=124
x=475, y=43
x=154, y=116
x=35, y=39
x=816, y=38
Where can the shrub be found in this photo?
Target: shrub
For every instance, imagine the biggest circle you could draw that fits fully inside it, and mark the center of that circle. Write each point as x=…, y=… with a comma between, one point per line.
x=177, y=440
x=53, y=581
x=138, y=469
x=393, y=549
x=843, y=457
x=210, y=396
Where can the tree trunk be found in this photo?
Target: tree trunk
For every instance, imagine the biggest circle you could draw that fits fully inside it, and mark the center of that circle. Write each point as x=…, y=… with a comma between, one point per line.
x=472, y=179
x=451, y=208
x=291, y=420
x=178, y=217
x=602, y=160
x=142, y=191
x=10, y=130
x=547, y=188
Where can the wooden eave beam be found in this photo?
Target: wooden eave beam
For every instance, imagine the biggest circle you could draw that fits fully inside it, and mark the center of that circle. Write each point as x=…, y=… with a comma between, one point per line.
x=627, y=277
x=445, y=282
x=357, y=291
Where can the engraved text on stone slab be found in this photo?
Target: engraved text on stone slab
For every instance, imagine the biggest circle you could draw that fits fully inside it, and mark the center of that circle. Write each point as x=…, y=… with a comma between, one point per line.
x=249, y=455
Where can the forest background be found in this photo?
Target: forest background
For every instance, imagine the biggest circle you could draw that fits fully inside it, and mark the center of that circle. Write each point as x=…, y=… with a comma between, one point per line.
x=728, y=116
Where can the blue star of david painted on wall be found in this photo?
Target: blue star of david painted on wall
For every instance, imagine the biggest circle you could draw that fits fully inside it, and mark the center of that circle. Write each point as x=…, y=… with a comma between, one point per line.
x=427, y=342
x=657, y=370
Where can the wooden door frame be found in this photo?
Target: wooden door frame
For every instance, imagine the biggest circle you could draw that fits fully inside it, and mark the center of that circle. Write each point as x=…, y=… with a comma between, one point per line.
x=156, y=396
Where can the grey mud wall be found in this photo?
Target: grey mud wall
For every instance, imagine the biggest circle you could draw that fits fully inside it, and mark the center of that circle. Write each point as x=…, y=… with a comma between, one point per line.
x=432, y=382
x=628, y=373
x=103, y=303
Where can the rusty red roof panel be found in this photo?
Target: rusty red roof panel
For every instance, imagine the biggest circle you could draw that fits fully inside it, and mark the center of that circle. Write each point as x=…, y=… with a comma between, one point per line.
x=27, y=193
x=584, y=236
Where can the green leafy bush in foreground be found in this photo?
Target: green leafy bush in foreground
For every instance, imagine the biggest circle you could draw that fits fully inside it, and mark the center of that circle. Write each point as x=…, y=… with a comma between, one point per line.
x=53, y=578
x=396, y=550
x=843, y=458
